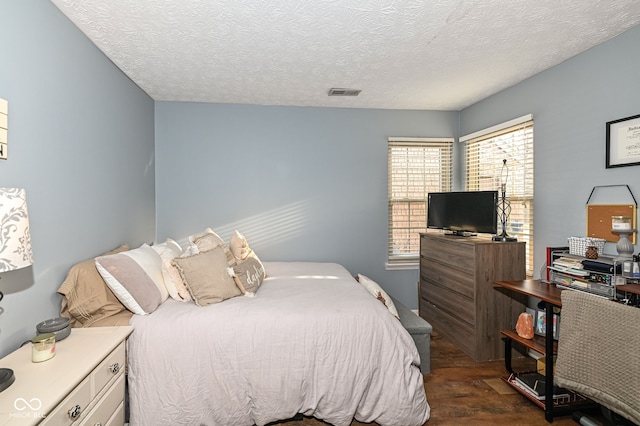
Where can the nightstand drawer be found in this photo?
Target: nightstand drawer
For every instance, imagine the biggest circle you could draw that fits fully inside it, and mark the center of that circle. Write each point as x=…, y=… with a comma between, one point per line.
x=112, y=365
x=107, y=405
x=72, y=407
x=117, y=419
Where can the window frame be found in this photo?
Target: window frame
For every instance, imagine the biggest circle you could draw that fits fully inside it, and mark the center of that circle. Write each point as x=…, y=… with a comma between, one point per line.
x=444, y=163
x=520, y=183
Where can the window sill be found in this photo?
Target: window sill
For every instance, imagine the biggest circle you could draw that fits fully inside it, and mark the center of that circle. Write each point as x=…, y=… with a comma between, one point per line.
x=400, y=266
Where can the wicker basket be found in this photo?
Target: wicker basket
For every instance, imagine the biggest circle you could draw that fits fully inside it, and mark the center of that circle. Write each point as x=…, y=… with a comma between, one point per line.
x=578, y=245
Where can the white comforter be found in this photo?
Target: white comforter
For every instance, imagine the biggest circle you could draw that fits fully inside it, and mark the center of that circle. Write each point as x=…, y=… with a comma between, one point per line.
x=312, y=341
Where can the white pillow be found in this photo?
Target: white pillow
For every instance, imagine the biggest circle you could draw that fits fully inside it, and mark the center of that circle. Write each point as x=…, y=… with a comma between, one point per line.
x=135, y=277
x=169, y=250
x=377, y=292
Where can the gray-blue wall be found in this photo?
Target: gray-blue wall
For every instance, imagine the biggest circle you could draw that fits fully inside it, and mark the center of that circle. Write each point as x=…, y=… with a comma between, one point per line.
x=302, y=184
x=571, y=104
x=81, y=143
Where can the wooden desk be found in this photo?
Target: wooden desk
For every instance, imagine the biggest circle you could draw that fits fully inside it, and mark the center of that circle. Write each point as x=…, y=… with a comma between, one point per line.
x=550, y=295
x=536, y=288
x=629, y=288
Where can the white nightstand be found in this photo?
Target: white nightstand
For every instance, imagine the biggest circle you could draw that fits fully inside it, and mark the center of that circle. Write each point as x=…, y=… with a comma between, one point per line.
x=82, y=384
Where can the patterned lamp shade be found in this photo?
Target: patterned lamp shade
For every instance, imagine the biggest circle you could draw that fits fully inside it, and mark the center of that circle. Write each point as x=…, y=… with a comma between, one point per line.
x=15, y=239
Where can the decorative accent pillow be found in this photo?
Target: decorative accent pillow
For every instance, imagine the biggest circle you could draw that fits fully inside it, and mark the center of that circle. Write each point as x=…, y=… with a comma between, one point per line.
x=248, y=275
x=208, y=240
x=239, y=246
x=169, y=250
x=207, y=277
x=87, y=299
x=135, y=277
x=241, y=251
x=377, y=292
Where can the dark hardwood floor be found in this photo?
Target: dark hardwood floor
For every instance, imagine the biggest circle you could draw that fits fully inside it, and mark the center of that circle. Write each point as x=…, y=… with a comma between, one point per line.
x=463, y=392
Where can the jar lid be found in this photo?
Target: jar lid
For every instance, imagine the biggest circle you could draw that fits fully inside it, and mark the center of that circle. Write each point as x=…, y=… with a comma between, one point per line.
x=51, y=325
x=43, y=337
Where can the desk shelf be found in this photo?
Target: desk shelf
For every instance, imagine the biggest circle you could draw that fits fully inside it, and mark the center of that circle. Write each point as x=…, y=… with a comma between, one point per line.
x=547, y=346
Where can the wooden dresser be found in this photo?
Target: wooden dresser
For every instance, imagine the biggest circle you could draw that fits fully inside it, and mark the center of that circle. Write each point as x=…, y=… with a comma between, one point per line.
x=83, y=384
x=457, y=294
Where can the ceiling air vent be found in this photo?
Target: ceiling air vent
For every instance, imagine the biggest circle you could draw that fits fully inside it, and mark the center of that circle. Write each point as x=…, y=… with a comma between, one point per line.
x=344, y=92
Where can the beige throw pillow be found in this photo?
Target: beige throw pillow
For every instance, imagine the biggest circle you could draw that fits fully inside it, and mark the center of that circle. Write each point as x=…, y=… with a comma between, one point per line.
x=241, y=253
x=208, y=240
x=207, y=277
x=239, y=246
x=249, y=274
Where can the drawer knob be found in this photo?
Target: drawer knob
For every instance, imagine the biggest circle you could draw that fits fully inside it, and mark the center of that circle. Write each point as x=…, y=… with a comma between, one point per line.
x=114, y=368
x=74, y=413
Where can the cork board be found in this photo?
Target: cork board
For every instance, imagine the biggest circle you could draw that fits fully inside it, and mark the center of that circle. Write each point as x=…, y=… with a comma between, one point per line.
x=599, y=220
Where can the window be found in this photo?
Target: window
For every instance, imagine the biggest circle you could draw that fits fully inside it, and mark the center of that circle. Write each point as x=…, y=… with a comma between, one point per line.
x=485, y=152
x=417, y=166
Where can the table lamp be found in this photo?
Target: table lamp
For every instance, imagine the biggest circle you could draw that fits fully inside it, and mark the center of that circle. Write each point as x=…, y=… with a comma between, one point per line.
x=15, y=246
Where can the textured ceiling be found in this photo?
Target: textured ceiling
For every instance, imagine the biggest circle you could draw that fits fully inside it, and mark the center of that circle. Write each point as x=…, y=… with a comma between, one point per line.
x=402, y=54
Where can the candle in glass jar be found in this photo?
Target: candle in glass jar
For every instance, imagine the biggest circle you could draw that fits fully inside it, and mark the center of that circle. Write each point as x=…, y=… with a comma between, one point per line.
x=620, y=222
x=43, y=347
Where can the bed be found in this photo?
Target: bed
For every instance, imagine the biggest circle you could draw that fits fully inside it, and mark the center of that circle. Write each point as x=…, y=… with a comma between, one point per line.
x=311, y=341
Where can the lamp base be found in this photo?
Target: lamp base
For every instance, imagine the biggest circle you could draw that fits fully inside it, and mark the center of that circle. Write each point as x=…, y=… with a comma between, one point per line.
x=504, y=238
x=6, y=378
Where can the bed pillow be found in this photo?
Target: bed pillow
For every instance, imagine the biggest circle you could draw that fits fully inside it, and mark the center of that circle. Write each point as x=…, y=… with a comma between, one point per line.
x=135, y=277
x=207, y=276
x=86, y=297
x=377, y=292
x=248, y=275
x=169, y=250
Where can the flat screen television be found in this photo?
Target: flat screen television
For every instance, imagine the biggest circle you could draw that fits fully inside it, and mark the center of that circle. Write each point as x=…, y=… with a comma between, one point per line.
x=463, y=213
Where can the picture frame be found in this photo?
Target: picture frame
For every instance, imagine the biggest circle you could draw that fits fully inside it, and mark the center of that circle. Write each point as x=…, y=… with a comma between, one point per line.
x=540, y=326
x=623, y=142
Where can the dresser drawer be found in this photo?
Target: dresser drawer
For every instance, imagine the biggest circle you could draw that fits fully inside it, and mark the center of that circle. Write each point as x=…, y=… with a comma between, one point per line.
x=110, y=367
x=455, y=281
x=451, y=328
x=107, y=406
x=451, y=251
x=456, y=305
x=76, y=402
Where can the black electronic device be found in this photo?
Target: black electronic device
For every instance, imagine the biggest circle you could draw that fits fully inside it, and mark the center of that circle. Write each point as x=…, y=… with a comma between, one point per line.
x=464, y=212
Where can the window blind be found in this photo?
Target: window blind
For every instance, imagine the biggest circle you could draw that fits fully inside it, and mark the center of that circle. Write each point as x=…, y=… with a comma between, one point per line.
x=416, y=167
x=484, y=155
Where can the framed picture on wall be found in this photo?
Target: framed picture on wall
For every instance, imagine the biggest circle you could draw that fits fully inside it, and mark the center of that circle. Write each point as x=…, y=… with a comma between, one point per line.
x=623, y=142
x=541, y=324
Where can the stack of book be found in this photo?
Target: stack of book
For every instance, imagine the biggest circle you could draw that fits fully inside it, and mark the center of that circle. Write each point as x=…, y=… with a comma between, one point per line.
x=570, y=266
x=534, y=385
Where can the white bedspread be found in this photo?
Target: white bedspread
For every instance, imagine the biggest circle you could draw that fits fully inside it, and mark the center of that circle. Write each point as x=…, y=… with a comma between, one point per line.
x=311, y=341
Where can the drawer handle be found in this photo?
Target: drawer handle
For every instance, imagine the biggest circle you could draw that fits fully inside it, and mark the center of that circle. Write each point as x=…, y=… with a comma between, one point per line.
x=114, y=368
x=74, y=413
